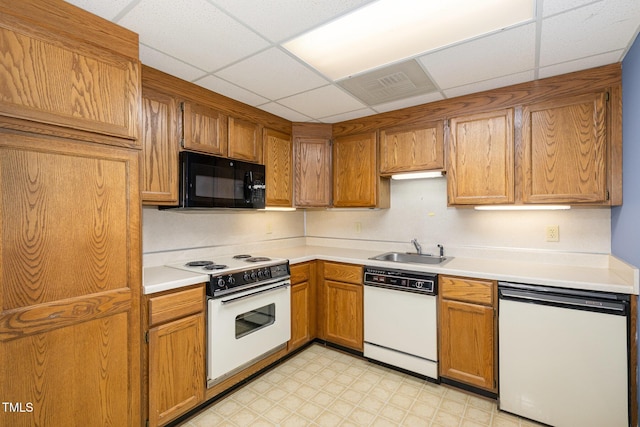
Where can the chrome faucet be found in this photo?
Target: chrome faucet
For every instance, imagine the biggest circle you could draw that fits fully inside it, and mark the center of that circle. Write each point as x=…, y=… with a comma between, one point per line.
x=441, y=250
x=417, y=245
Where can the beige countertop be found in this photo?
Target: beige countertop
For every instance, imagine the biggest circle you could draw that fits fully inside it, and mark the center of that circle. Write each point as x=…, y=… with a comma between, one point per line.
x=615, y=276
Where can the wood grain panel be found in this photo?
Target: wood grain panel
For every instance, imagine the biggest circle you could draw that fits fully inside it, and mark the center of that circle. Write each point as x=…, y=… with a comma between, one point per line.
x=343, y=314
x=565, y=150
x=407, y=149
x=245, y=140
x=481, y=159
x=355, y=171
x=467, y=290
x=204, y=129
x=175, y=305
x=348, y=273
x=160, y=145
x=300, y=273
x=278, y=161
x=300, y=315
x=312, y=172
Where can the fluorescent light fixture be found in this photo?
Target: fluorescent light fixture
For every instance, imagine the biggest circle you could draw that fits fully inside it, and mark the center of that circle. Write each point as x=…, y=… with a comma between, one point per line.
x=522, y=207
x=278, y=209
x=418, y=175
x=388, y=31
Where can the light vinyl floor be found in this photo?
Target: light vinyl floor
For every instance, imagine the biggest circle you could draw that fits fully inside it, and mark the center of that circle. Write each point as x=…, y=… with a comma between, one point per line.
x=321, y=386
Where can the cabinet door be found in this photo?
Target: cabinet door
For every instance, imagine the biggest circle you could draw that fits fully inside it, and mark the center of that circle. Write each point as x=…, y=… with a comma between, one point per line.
x=160, y=148
x=481, y=159
x=278, y=162
x=343, y=314
x=245, y=140
x=300, y=315
x=312, y=172
x=565, y=151
x=467, y=344
x=355, y=172
x=69, y=282
x=204, y=129
x=407, y=149
x=176, y=368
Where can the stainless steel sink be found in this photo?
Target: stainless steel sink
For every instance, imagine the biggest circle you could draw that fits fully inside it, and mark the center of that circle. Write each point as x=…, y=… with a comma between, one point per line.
x=410, y=258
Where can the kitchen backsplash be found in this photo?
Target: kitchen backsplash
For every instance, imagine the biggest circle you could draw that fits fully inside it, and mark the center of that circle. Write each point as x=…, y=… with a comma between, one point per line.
x=418, y=210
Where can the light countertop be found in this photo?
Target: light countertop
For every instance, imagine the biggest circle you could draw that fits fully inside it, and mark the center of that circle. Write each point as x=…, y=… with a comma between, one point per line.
x=616, y=276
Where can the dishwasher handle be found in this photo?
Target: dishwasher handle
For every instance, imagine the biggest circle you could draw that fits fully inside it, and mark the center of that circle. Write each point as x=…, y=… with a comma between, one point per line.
x=605, y=303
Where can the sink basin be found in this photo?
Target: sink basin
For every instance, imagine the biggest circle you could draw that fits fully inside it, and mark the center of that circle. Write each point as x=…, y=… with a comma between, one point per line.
x=410, y=257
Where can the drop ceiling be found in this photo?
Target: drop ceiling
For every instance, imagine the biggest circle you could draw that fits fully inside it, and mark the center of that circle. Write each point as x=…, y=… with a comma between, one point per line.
x=234, y=47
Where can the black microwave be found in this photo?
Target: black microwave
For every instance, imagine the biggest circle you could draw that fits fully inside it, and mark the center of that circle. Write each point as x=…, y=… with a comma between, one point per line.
x=215, y=182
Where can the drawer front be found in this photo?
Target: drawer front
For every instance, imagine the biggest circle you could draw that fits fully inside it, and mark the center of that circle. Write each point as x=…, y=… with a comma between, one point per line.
x=300, y=273
x=467, y=290
x=176, y=305
x=347, y=273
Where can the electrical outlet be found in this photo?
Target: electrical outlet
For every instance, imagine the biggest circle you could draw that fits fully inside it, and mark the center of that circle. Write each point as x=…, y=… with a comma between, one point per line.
x=269, y=228
x=553, y=233
x=358, y=227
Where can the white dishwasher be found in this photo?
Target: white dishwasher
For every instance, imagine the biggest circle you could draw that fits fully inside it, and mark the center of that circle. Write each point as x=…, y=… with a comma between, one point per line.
x=400, y=319
x=563, y=355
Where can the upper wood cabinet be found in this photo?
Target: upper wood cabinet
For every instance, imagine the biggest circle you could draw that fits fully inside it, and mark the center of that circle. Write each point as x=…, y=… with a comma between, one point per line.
x=245, y=140
x=565, y=150
x=160, y=145
x=87, y=82
x=481, y=159
x=278, y=162
x=414, y=148
x=312, y=172
x=203, y=129
x=356, y=182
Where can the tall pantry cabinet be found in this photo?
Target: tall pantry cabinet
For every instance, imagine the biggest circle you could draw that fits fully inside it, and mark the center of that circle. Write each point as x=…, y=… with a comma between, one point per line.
x=70, y=267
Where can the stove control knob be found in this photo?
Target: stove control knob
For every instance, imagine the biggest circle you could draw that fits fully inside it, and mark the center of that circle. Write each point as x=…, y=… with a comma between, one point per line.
x=260, y=274
x=246, y=276
x=231, y=280
x=221, y=283
x=267, y=272
x=253, y=275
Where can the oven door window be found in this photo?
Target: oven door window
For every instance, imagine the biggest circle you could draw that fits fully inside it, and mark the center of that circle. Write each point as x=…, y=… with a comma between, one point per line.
x=254, y=320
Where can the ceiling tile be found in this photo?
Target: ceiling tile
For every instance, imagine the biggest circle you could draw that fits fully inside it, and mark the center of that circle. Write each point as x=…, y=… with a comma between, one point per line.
x=272, y=74
x=278, y=20
x=506, y=52
x=232, y=91
x=193, y=31
x=284, y=112
x=588, y=31
x=581, y=64
x=551, y=7
x=169, y=65
x=408, y=102
x=322, y=102
x=105, y=9
x=348, y=116
x=490, y=84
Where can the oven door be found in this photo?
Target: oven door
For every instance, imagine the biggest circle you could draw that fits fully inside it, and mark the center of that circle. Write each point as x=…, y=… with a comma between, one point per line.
x=244, y=327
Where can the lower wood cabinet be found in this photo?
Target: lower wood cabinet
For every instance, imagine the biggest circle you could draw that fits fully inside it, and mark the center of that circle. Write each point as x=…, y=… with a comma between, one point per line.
x=467, y=331
x=176, y=354
x=303, y=303
x=342, y=305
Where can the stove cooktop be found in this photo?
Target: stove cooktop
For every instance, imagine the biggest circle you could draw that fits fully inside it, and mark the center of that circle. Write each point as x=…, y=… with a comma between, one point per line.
x=221, y=265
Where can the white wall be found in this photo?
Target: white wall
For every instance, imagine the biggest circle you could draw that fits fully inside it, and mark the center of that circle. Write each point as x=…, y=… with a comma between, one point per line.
x=419, y=209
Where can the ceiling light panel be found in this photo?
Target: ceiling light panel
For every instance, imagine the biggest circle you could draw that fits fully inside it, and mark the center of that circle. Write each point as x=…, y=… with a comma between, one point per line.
x=388, y=31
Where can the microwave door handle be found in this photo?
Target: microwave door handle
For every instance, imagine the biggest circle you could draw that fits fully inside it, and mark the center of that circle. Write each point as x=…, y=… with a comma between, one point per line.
x=248, y=184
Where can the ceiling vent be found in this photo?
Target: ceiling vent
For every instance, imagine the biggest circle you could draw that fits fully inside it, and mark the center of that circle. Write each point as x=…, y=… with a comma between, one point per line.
x=397, y=81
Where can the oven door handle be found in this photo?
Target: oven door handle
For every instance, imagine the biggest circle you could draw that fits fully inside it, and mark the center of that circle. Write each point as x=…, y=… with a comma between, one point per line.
x=262, y=291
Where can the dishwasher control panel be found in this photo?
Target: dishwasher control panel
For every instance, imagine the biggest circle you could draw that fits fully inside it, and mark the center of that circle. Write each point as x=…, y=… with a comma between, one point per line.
x=402, y=280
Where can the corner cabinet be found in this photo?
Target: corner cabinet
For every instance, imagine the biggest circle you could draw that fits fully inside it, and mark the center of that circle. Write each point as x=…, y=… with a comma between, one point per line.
x=278, y=163
x=481, y=159
x=412, y=148
x=341, y=309
x=176, y=353
x=303, y=302
x=356, y=182
x=566, y=151
x=312, y=162
x=467, y=318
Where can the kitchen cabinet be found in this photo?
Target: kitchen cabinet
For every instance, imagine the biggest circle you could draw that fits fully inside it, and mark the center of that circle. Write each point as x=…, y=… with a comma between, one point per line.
x=70, y=208
x=278, y=162
x=312, y=165
x=566, y=151
x=412, y=148
x=176, y=353
x=245, y=140
x=341, y=306
x=481, y=159
x=356, y=182
x=160, y=146
x=204, y=129
x=303, y=302
x=467, y=331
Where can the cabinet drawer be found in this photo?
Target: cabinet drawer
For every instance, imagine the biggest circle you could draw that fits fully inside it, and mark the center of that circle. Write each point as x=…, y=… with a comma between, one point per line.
x=467, y=290
x=176, y=305
x=300, y=273
x=348, y=273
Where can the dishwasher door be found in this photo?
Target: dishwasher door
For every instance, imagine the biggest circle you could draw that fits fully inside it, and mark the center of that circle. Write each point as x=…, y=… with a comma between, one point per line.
x=563, y=356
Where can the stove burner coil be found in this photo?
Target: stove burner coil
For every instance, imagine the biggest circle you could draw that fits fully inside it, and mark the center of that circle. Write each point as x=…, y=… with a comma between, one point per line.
x=199, y=263
x=214, y=267
x=258, y=259
x=241, y=256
